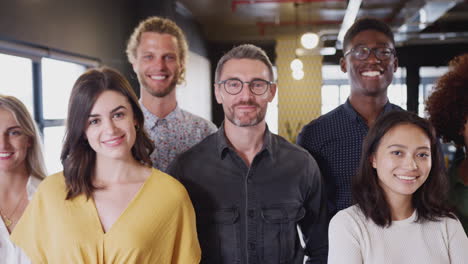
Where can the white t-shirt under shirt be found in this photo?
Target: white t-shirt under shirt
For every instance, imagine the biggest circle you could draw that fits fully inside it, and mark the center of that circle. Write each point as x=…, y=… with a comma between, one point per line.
x=355, y=239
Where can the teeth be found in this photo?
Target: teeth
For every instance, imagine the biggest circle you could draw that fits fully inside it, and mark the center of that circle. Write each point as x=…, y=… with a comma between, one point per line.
x=112, y=141
x=407, y=178
x=4, y=155
x=158, y=77
x=371, y=73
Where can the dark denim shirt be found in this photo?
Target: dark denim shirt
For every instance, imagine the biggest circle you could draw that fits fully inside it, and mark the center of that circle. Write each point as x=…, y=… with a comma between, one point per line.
x=249, y=215
x=335, y=140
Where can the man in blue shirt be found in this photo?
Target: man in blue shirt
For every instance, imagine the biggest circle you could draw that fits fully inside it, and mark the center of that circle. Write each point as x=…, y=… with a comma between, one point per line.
x=335, y=139
x=251, y=188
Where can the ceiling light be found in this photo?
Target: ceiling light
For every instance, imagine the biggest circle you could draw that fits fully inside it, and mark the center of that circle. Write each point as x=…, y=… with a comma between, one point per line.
x=296, y=64
x=298, y=74
x=309, y=40
x=348, y=20
x=327, y=51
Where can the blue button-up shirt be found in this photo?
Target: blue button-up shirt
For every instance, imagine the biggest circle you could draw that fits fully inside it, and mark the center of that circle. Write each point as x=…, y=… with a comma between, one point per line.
x=335, y=141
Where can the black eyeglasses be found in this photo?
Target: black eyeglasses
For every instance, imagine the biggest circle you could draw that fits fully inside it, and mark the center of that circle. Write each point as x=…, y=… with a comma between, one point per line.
x=363, y=52
x=234, y=86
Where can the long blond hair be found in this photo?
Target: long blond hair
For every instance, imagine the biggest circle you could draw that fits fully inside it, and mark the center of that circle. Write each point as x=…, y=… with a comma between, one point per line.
x=34, y=158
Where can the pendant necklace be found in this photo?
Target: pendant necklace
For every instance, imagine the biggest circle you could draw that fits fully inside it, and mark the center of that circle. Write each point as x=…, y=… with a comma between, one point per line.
x=8, y=220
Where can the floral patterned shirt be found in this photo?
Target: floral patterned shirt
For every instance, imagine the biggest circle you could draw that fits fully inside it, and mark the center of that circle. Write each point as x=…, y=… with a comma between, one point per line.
x=174, y=134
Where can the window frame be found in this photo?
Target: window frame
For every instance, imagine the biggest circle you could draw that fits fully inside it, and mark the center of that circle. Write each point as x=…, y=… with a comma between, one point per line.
x=36, y=53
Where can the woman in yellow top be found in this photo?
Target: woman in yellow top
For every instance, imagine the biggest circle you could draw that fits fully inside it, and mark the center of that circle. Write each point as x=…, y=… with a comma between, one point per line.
x=108, y=205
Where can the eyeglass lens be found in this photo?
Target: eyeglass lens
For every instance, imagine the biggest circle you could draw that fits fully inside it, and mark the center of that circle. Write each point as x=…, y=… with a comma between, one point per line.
x=234, y=86
x=362, y=53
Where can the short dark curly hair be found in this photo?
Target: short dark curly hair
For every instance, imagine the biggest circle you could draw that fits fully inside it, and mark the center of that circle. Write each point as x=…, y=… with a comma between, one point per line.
x=447, y=106
x=367, y=23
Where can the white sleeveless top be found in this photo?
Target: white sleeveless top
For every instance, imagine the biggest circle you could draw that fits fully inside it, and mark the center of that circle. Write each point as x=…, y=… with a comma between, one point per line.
x=9, y=253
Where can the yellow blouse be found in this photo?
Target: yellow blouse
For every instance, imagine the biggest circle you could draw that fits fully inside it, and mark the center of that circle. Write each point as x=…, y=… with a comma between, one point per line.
x=158, y=226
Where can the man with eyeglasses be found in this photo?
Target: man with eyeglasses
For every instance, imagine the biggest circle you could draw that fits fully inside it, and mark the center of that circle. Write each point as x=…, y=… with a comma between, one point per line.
x=251, y=188
x=335, y=139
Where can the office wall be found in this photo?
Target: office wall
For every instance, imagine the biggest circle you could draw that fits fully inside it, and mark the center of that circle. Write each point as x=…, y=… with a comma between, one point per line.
x=299, y=100
x=97, y=29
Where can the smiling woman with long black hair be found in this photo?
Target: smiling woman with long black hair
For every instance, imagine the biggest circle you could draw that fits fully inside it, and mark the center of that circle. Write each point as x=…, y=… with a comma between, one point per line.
x=400, y=190
x=108, y=205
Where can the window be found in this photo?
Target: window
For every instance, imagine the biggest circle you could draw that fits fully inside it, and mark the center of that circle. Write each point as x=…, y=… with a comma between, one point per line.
x=336, y=88
x=18, y=78
x=42, y=79
x=429, y=76
x=58, y=78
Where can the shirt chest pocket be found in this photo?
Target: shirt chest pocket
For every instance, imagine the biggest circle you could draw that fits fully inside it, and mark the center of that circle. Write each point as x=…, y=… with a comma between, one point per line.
x=279, y=233
x=218, y=233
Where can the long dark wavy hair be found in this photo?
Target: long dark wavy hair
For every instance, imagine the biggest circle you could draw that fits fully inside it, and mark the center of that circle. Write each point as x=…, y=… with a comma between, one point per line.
x=429, y=200
x=78, y=158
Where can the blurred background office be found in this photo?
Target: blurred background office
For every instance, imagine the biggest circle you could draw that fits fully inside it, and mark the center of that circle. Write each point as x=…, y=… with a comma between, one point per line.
x=46, y=44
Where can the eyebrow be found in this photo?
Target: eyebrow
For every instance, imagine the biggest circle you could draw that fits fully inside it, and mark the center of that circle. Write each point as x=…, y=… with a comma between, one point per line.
x=13, y=127
x=405, y=147
x=112, y=111
x=253, y=79
x=378, y=44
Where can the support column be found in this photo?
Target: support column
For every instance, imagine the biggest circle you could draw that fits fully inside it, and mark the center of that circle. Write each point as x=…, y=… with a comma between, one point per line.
x=299, y=101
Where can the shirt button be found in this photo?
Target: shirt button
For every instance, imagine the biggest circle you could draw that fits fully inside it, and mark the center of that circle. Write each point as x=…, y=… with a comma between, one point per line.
x=251, y=213
x=251, y=246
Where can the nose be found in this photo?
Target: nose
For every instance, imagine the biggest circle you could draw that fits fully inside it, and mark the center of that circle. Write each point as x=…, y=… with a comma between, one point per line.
x=160, y=63
x=110, y=127
x=373, y=58
x=410, y=163
x=245, y=92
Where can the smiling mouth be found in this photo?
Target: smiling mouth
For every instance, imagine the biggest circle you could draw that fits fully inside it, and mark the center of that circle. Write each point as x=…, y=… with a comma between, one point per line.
x=406, y=178
x=4, y=155
x=372, y=73
x=158, y=77
x=114, y=141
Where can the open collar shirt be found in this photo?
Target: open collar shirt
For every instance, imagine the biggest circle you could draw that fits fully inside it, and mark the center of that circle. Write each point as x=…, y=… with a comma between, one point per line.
x=9, y=252
x=335, y=141
x=174, y=134
x=249, y=214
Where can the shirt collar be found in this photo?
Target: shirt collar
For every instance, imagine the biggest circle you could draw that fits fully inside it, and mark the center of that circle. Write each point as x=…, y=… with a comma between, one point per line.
x=152, y=120
x=355, y=115
x=223, y=146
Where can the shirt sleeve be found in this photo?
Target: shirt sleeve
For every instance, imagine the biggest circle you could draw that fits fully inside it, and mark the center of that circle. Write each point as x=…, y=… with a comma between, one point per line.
x=458, y=242
x=187, y=249
x=344, y=244
x=314, y=225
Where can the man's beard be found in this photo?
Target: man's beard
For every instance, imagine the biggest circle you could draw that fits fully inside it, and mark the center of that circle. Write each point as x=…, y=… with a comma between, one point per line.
x=260, y=116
